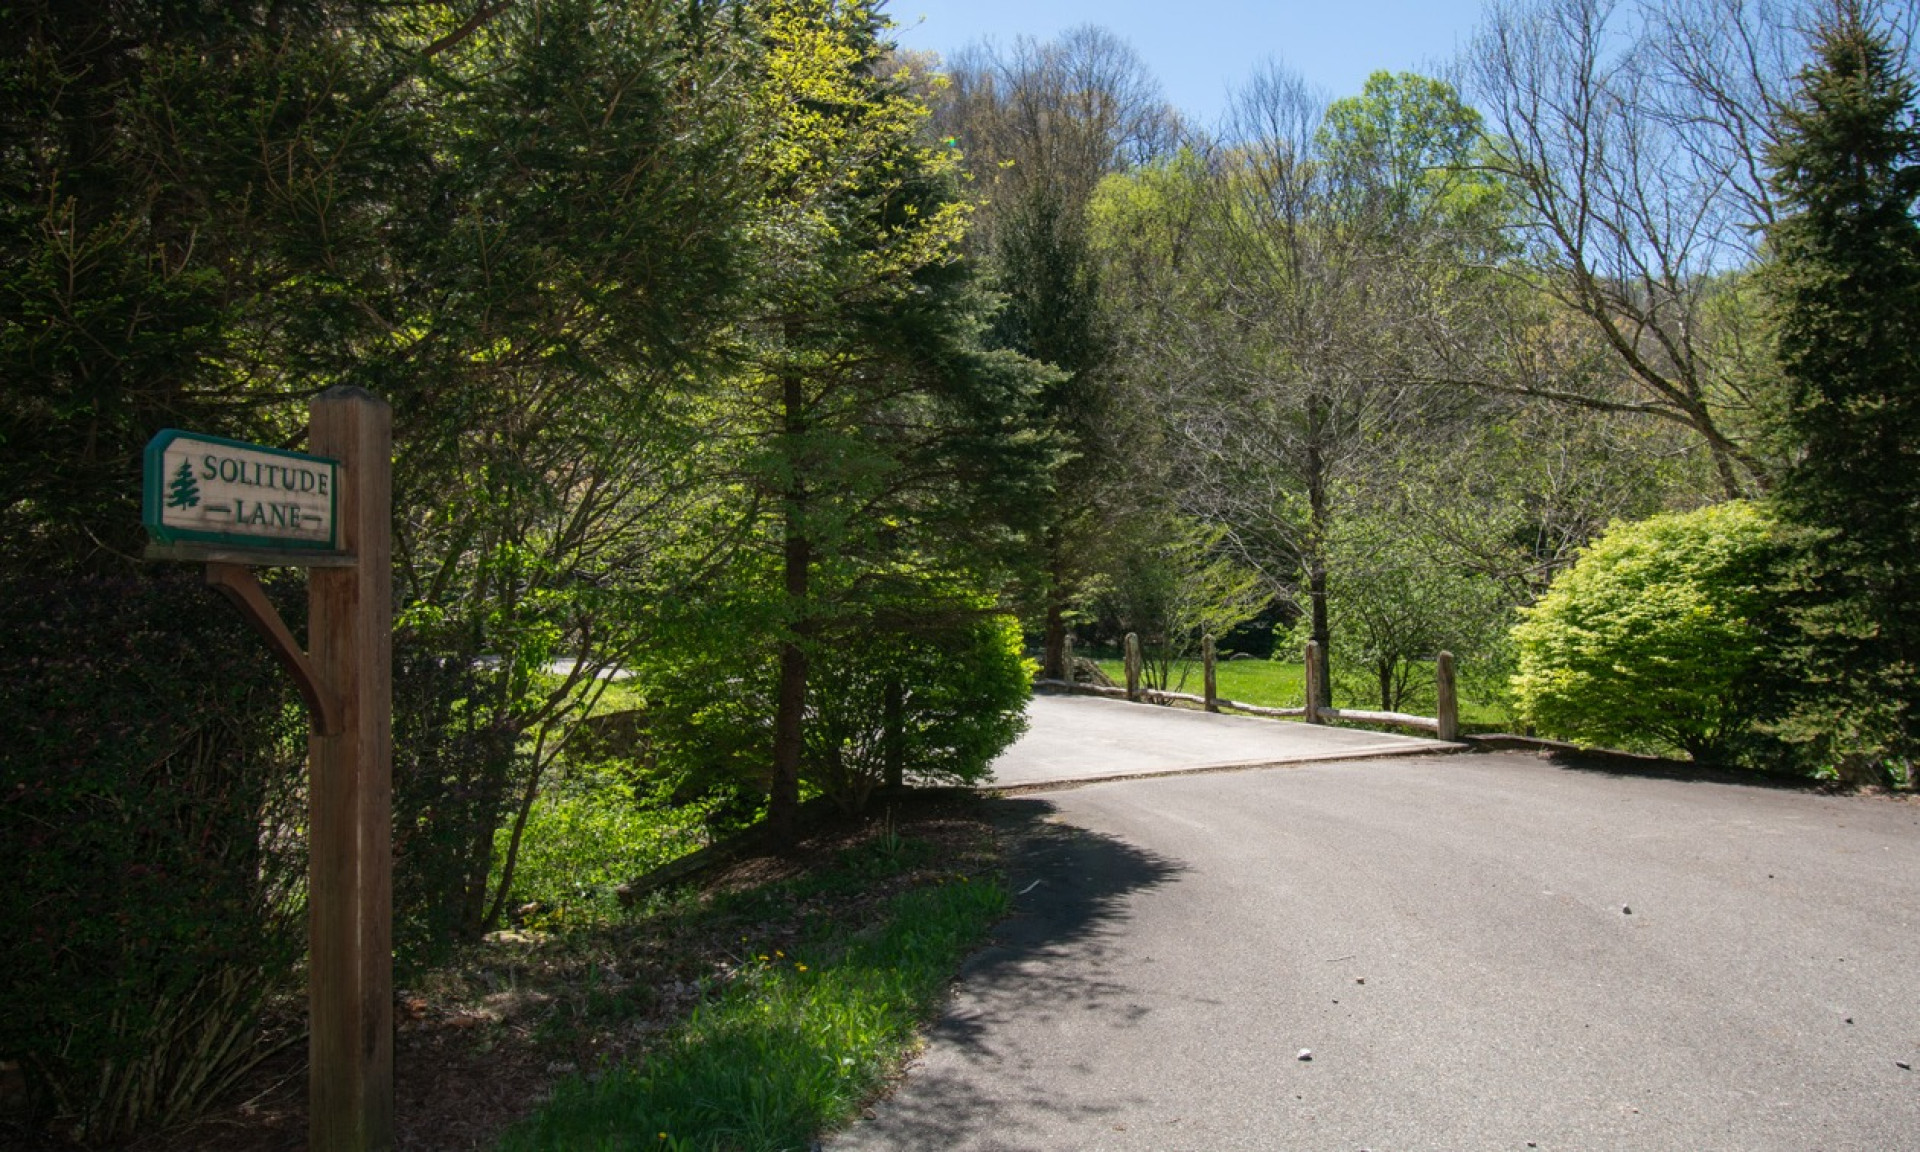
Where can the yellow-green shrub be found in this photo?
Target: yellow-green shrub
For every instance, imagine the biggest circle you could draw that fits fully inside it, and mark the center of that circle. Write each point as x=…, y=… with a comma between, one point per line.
x=1653, y=641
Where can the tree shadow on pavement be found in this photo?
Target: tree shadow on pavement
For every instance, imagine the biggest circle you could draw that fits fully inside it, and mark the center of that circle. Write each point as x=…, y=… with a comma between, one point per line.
x=1049, y=960
x=1609, y=762
x=1605, y=763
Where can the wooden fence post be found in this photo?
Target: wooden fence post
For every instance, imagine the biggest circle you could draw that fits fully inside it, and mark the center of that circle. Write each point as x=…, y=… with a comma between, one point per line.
x=1066, y=658
x=1313, y=682
x=1133, y=666
x=1211, y=688
x=350, y=877
x=1446, y=700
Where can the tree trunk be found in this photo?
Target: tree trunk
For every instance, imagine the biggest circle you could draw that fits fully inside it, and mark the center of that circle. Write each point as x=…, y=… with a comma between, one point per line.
x=1317, y=526
x=1053, y=661
x=894, y=733
x=1723, y=466
x=783, y=801
x=783, y=797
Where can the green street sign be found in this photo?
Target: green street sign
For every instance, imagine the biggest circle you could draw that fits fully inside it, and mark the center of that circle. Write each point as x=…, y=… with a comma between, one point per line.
x=204, y=489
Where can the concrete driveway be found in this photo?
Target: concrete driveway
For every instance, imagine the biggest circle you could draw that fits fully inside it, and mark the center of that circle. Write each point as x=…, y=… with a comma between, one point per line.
x=1481, y=952
x=1079, y=738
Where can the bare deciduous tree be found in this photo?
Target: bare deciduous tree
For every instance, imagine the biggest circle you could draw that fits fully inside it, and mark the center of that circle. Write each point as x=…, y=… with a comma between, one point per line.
x=1277, y=356
x=1633, y=135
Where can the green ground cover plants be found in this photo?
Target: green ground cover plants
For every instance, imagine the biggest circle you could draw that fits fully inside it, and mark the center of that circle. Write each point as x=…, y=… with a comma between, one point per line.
x=685, y=1010
x=795, y=1038
x=585, y=836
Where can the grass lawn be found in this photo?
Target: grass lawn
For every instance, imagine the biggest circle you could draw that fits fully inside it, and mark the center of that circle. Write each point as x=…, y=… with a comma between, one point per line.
x=1267, y=682
x=1275, y=684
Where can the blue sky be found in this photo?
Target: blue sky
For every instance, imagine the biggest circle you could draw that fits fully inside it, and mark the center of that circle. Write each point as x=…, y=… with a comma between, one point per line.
x=1200, y=48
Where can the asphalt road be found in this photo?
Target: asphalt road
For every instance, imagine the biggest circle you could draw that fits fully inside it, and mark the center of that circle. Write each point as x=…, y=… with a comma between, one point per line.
x=1089, y=738
x=1450, y=937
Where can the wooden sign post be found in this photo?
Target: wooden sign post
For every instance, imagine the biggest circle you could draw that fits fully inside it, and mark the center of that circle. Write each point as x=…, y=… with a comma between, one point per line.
x=350, y=788
x=236, y=506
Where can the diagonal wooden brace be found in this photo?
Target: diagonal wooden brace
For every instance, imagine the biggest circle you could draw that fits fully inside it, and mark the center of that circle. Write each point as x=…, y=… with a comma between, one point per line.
x=237, y=583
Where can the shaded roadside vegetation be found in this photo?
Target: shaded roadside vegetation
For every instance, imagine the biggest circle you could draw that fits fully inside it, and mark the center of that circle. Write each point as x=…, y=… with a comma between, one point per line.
x=793, y=1047
x=780, y=990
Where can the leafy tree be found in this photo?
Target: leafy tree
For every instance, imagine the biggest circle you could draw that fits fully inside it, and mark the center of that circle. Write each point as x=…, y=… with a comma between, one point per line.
x=1286, y=265
x=1846, y=278
x=1171, y=581
x=1657, y=637
x=552, y=306
x=1399, y=596
x=1515, y=493
x=182, y=186
x=1406, y=154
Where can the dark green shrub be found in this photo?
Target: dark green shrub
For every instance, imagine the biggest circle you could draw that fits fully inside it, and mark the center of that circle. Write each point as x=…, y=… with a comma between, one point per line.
x=150, y=762
x=958, y=689
x=1654, y=640
x=958, y=698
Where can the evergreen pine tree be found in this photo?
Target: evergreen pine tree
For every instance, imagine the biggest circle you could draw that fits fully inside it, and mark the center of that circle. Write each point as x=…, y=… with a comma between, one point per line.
x=1846, y=279
x=894, y=452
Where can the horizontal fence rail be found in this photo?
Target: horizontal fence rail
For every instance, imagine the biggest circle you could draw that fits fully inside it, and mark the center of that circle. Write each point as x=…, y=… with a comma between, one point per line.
x=1446, y=725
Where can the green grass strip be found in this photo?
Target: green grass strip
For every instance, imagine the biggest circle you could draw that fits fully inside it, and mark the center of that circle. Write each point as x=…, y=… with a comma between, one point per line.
x=792, y=1048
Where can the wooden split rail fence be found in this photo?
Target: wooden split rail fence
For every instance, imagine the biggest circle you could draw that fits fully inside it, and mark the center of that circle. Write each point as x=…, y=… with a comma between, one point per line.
x=1445, y=725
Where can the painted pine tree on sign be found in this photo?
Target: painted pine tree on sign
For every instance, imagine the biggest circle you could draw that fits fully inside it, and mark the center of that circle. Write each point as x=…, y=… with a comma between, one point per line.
x=184, y=492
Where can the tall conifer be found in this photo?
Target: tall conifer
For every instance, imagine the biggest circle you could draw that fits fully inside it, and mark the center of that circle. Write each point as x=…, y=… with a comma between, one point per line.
x=1846, y=279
